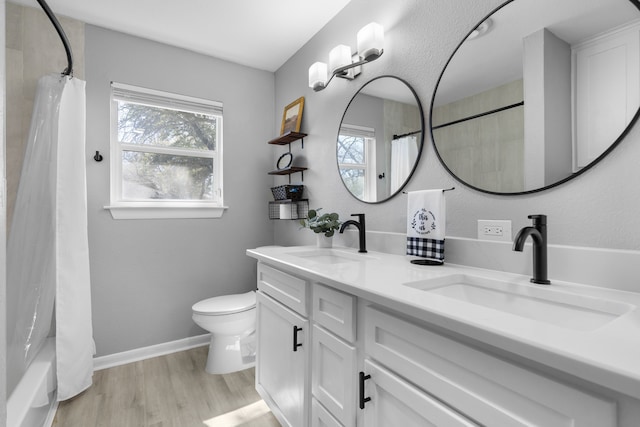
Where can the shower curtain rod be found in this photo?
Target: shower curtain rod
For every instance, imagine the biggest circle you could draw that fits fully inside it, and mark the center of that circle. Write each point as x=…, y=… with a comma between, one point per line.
x=477, y=116
x=405, y=134
x=69, y=70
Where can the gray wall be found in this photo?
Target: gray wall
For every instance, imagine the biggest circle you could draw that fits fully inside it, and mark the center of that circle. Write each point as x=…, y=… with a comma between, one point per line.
x=3, y=237
x=599, y=209
x=146, y=274
x=367, y=111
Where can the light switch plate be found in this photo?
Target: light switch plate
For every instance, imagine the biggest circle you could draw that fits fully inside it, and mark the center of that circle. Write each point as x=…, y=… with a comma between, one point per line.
x=494, y=229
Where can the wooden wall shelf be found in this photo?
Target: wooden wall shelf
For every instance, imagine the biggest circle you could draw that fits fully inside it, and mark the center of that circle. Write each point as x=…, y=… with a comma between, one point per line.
x=287, y=171
x=287, y=138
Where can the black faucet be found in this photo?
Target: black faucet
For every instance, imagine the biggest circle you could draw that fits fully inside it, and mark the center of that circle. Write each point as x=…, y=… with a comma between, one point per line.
x=539, y=235
x=361, y=231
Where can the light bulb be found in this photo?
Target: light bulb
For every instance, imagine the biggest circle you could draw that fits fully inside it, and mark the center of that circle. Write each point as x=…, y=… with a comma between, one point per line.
x=339, y=56
x=318, y=76
x=370, y=41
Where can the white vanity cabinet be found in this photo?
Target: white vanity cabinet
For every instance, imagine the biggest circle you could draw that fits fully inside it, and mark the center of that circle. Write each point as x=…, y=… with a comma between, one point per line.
x=334, y=371
x=365, y=364
x=282, y=356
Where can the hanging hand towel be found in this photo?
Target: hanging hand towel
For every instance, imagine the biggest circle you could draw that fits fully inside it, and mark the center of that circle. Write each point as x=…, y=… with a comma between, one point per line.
x=426, y=215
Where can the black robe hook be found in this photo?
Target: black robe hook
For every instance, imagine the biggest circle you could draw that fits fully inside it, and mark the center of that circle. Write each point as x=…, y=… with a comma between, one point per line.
x=98, y=157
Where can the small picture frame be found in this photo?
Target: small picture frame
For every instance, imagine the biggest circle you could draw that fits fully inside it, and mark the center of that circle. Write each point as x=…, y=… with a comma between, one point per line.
x=292, y=116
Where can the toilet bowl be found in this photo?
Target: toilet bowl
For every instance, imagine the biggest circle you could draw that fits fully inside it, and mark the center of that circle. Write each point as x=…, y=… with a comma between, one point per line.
x=231, y=320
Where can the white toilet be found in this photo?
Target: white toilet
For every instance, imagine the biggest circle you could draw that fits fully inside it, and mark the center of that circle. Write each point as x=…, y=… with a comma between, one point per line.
x=231, y=319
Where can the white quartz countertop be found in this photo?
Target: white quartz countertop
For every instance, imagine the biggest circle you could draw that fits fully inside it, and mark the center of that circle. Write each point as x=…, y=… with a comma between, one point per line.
x=608, y=355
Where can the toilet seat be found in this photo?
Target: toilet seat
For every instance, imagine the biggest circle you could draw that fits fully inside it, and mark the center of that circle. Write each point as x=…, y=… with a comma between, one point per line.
x=226, y=304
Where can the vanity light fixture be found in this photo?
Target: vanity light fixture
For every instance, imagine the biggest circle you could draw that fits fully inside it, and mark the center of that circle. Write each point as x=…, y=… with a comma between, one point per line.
x=370, y=41
x=339, y=57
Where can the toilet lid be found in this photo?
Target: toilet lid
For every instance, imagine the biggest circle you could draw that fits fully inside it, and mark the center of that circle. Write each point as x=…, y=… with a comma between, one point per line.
x=226, y=304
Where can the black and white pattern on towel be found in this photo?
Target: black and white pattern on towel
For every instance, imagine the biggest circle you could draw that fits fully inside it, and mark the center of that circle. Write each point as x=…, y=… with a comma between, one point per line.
x=428, y=248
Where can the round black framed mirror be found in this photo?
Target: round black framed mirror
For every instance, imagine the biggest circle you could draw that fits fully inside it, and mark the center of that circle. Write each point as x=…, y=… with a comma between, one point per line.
x=380, y=139
x=538, y=93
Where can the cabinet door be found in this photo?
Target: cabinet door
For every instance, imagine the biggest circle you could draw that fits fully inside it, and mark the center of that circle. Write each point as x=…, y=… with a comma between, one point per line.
x=334, y=375
x=395, y=402
x=282, y=361
x=607, y=92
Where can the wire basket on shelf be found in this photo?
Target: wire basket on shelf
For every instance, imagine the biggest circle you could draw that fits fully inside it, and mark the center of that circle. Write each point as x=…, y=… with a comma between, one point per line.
x=287, y=192
x=288, y=209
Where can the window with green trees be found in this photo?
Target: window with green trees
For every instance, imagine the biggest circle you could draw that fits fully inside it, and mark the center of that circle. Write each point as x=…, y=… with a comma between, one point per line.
x=166, y=149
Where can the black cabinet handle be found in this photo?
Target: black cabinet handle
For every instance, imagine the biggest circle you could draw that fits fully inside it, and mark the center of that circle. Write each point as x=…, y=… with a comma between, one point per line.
x=363, y=399
x=295, y=338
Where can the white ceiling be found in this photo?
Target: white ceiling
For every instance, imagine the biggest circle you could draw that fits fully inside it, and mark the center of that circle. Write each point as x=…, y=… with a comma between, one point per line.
x=257, y=33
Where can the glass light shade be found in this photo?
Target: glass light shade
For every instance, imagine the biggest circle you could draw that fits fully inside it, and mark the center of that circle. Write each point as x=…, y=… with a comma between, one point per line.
x=370, y=41
x=318, y=76
x=339, y=57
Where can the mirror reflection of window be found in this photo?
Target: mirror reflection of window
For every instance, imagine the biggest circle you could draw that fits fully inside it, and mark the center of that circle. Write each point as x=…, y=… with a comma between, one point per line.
x=356, y=151
x=384, y=109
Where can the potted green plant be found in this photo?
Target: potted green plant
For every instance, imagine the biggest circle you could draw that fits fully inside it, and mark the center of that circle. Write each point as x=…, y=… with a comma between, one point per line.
x=323, y=225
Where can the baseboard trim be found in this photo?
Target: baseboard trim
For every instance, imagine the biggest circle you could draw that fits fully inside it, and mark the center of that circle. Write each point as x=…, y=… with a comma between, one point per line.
x=135, y=355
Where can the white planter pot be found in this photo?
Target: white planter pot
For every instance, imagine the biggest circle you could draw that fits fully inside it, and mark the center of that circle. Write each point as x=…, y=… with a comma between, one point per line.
x=324, y=241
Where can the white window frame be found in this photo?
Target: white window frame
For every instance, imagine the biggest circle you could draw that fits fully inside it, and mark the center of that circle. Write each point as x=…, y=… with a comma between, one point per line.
x=150, y=209
x=369, y=165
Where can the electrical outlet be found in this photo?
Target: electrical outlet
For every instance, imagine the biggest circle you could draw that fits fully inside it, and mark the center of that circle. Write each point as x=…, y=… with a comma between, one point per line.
x=494, y=229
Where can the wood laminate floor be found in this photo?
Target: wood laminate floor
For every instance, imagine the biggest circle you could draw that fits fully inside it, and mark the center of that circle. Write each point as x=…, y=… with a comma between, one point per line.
x=167, y=391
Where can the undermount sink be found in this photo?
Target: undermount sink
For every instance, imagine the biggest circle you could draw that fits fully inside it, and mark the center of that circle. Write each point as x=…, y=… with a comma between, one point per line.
x=539, y=303
x=331, y=256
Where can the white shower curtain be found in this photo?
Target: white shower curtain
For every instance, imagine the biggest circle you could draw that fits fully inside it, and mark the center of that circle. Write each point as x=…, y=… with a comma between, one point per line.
x=404, y=152
x=48, y=251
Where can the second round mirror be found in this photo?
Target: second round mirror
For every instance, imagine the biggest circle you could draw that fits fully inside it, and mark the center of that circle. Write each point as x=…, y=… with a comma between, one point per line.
x=538, y=94
x=380, y=139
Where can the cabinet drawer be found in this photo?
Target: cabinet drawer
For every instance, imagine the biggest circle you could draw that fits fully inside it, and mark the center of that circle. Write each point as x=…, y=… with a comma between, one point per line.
x=335, y=311
x=287, y=289
x=485, y=388
x=334, y=375
x=320, y=417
